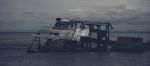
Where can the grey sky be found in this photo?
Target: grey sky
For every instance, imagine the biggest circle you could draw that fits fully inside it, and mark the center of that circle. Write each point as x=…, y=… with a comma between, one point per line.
x=24, y=15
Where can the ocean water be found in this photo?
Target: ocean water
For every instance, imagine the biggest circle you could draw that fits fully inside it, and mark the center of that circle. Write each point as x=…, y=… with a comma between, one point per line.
x=18, y=57
x=13, y=46
x=15, y=37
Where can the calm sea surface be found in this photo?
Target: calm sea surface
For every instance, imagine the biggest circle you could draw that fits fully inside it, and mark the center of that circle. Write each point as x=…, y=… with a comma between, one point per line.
x=17, y=56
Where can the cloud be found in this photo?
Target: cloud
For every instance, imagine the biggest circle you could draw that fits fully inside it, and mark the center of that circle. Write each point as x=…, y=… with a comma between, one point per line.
x=17, y=13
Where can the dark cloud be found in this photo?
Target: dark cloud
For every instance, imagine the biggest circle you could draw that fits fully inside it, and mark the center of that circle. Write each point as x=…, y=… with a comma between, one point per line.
x=32, y=14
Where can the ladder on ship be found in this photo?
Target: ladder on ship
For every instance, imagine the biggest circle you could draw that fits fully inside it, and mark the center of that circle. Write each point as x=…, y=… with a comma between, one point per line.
x=36, y=40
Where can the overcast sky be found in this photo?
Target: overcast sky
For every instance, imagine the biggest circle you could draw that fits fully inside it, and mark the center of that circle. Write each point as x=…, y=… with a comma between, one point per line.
x=27, y=15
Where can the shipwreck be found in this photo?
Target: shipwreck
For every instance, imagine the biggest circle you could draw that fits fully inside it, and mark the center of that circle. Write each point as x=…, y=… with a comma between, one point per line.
x=80, y=35
x=73, y=34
